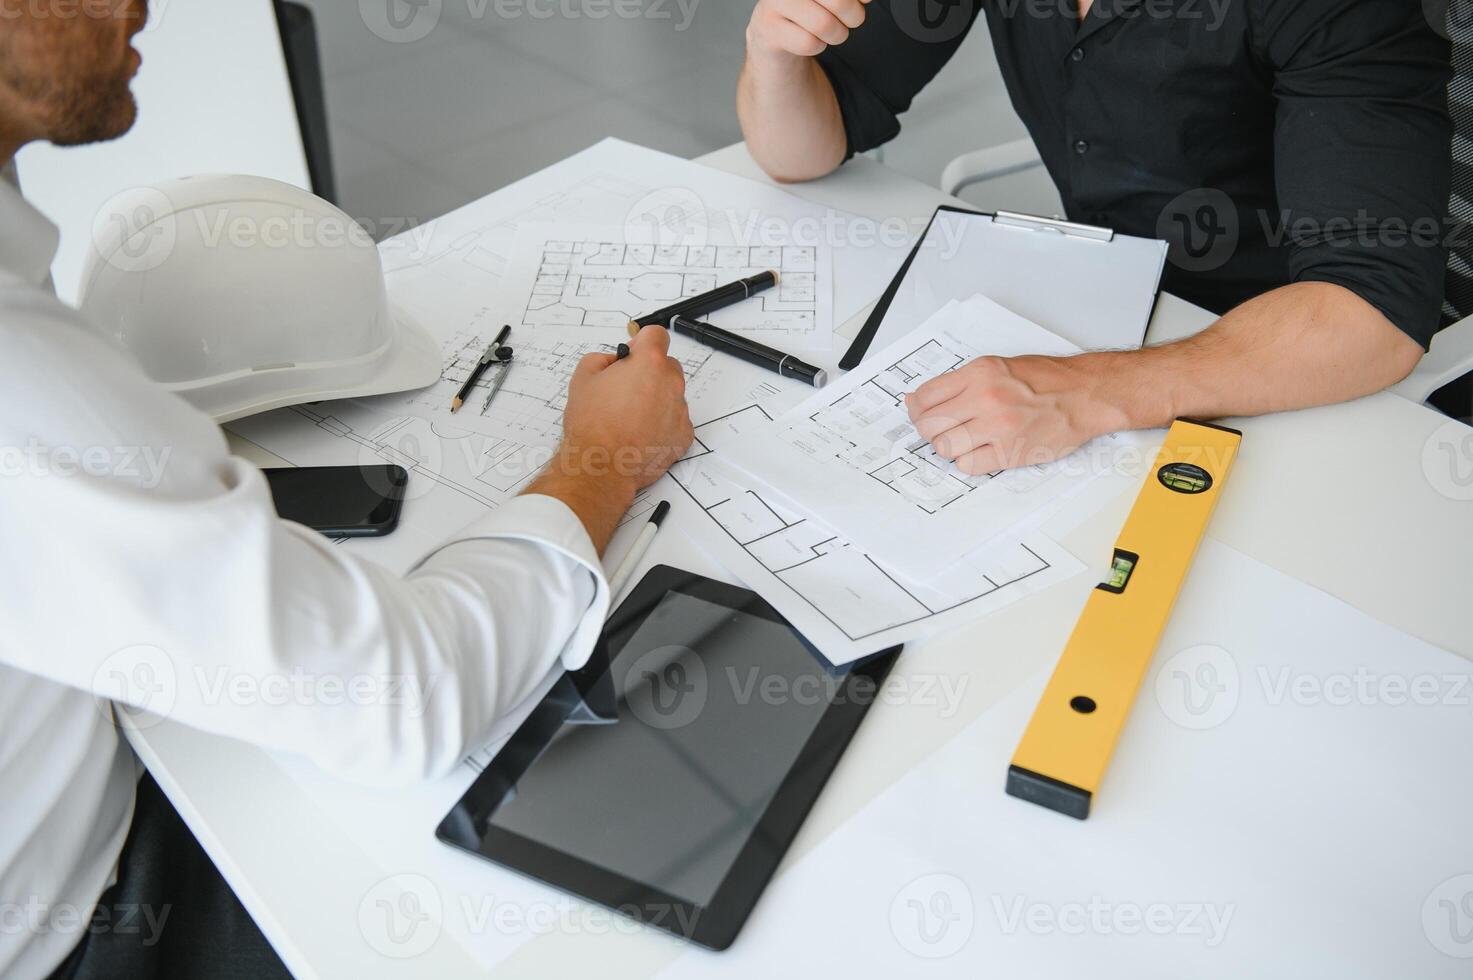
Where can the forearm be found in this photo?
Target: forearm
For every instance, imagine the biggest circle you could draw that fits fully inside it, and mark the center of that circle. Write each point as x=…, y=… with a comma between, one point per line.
x=593, y=490
x=790, y=116
x=1295, y=347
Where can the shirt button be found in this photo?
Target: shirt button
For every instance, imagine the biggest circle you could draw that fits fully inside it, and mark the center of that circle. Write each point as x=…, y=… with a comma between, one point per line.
x=1077, y=54
x=1081, y=147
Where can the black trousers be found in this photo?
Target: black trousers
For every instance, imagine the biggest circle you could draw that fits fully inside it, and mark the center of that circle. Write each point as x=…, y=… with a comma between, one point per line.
x=170, y=916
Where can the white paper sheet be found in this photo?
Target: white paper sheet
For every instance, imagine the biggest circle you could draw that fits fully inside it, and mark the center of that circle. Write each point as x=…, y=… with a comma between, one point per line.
x=594, y=276
x=1288, y=799
x=1096, y=295
x=847, y=604
x=850, y=456
x=651, y=195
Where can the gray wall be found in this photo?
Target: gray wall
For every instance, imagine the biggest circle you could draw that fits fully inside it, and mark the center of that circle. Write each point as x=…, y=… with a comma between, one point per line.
x=431, y=110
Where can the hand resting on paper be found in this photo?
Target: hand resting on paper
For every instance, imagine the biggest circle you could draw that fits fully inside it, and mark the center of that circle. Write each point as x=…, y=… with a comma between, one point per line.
x=996, y=413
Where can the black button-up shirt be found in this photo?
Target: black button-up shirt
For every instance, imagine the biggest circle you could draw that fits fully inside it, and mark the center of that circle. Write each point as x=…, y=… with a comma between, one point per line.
x=1269, y=141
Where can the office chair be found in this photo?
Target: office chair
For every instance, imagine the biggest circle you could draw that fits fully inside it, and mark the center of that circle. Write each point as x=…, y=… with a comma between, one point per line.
x=1443, y=376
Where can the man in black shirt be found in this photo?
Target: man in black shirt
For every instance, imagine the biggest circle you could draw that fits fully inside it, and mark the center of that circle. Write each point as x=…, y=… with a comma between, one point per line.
x=1295, y=153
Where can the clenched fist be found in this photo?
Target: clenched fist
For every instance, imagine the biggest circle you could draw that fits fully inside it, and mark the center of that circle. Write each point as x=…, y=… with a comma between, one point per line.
x=801, y=28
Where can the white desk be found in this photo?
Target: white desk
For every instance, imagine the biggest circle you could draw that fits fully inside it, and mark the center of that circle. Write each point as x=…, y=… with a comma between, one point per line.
x=1389, y=542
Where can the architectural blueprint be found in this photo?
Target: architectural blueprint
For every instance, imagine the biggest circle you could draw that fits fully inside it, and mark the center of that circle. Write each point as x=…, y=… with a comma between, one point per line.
x=592, y=276
x=461, y=465
x=850, y=455
x=845, y=602
x=652, y=198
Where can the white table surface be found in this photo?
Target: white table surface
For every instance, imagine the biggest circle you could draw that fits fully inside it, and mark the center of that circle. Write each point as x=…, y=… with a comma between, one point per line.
x=1348, y=499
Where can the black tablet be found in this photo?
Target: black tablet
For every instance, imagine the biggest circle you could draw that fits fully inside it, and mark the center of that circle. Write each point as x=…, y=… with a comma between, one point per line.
x=667, y=778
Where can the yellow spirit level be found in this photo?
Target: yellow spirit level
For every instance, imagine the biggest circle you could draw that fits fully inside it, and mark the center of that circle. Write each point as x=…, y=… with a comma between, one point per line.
x=1068, y=742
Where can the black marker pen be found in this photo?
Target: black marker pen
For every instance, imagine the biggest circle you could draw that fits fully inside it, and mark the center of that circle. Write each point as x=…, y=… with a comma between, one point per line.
x=750, y=351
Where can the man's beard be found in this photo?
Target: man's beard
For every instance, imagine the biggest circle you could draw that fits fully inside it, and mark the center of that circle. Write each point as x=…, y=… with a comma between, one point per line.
x=91, y=113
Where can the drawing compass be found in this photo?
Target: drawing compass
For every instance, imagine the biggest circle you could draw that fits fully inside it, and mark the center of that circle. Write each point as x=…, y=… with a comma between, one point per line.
x=502, y=362
x=491, y=356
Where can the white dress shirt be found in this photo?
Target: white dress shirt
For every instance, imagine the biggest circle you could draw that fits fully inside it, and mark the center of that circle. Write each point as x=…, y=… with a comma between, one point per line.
x=139, y=559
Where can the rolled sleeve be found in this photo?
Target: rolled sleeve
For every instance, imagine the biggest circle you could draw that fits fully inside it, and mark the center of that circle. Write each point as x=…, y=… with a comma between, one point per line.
x=878, y=71
x=1362, y=142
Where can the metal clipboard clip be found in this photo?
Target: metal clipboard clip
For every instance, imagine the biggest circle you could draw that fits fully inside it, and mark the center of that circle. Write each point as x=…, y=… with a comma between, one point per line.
x=1033, y=222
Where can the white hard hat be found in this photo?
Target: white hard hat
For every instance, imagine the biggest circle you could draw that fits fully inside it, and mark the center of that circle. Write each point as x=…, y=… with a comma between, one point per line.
x=244, y=294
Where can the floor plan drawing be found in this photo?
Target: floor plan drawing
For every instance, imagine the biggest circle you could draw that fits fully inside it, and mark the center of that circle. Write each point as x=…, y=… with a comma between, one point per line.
x=608, y=283
x=851, y=454
x=593, y=276
x=483, y=469
x=852, y=429
x=827, y=579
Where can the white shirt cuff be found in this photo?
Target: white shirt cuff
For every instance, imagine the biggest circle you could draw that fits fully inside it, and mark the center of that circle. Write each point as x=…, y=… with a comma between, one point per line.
x=547, y=521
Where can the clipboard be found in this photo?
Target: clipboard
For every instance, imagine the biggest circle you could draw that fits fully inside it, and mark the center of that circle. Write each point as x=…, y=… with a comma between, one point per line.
x=1087, y=284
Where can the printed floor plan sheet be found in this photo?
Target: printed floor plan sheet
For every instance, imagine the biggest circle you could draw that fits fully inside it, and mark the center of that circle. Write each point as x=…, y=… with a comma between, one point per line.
x=850, y=454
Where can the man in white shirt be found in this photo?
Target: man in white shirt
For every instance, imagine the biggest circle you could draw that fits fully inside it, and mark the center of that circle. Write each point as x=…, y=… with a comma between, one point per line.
x=131, y=536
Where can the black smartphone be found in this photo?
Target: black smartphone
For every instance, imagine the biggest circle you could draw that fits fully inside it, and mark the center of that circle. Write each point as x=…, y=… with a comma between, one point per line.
x=343, y=501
